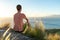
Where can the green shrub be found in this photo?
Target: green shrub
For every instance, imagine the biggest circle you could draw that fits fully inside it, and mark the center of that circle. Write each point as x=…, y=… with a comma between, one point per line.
x=37, y=33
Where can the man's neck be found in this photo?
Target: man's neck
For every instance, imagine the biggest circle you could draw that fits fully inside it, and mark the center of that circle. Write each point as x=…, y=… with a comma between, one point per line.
x=19, y=12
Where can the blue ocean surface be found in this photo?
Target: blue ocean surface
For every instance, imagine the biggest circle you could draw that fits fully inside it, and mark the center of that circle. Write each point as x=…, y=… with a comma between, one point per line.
x=49, y=23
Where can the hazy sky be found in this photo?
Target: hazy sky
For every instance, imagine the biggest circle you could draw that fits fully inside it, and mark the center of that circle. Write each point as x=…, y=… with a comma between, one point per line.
x=31, y=8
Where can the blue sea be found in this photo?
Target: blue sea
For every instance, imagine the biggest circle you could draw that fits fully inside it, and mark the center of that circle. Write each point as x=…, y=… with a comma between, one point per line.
x=49, y=23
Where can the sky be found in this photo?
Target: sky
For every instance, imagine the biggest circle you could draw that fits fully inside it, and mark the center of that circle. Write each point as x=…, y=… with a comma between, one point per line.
x=31, y=8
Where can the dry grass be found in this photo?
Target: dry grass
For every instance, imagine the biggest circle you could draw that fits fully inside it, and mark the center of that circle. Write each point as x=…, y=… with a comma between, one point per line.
x=39, y=32
x=53, y=37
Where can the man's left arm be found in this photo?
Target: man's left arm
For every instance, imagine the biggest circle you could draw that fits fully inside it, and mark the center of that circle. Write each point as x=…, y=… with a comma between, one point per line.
x=27, y=20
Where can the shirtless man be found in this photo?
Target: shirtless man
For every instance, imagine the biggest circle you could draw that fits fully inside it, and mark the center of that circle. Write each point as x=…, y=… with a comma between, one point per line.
x=18, y=19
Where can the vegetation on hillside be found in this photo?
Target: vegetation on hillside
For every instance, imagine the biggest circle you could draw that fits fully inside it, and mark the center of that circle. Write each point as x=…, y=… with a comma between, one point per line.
x=39, y=32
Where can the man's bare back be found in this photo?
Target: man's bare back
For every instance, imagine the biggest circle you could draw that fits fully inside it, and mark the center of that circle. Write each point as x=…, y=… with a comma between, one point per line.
x=18, y=19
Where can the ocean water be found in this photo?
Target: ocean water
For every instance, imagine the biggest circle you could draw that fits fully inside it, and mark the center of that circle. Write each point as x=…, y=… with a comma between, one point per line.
x=49, y=23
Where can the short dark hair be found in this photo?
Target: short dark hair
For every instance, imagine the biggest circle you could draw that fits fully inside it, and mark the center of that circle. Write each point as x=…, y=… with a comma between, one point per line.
x=19, y=7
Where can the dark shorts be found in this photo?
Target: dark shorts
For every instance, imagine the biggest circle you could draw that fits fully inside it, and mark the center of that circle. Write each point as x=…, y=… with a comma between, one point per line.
x=19, y=31
x=15, y=32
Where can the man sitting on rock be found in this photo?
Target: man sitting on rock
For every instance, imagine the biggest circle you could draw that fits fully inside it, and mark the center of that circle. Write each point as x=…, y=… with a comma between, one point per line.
x=18, y=20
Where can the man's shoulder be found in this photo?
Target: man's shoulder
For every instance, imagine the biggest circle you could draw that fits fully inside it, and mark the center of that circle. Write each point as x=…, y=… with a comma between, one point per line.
x=19, y=14
x=16, y=14
x=23, y=14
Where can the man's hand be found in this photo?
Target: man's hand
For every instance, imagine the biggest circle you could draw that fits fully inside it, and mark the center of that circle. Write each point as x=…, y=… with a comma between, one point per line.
x=29, y=27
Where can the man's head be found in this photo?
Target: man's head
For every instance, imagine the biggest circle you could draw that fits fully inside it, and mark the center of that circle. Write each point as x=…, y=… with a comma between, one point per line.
x=19, y=7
